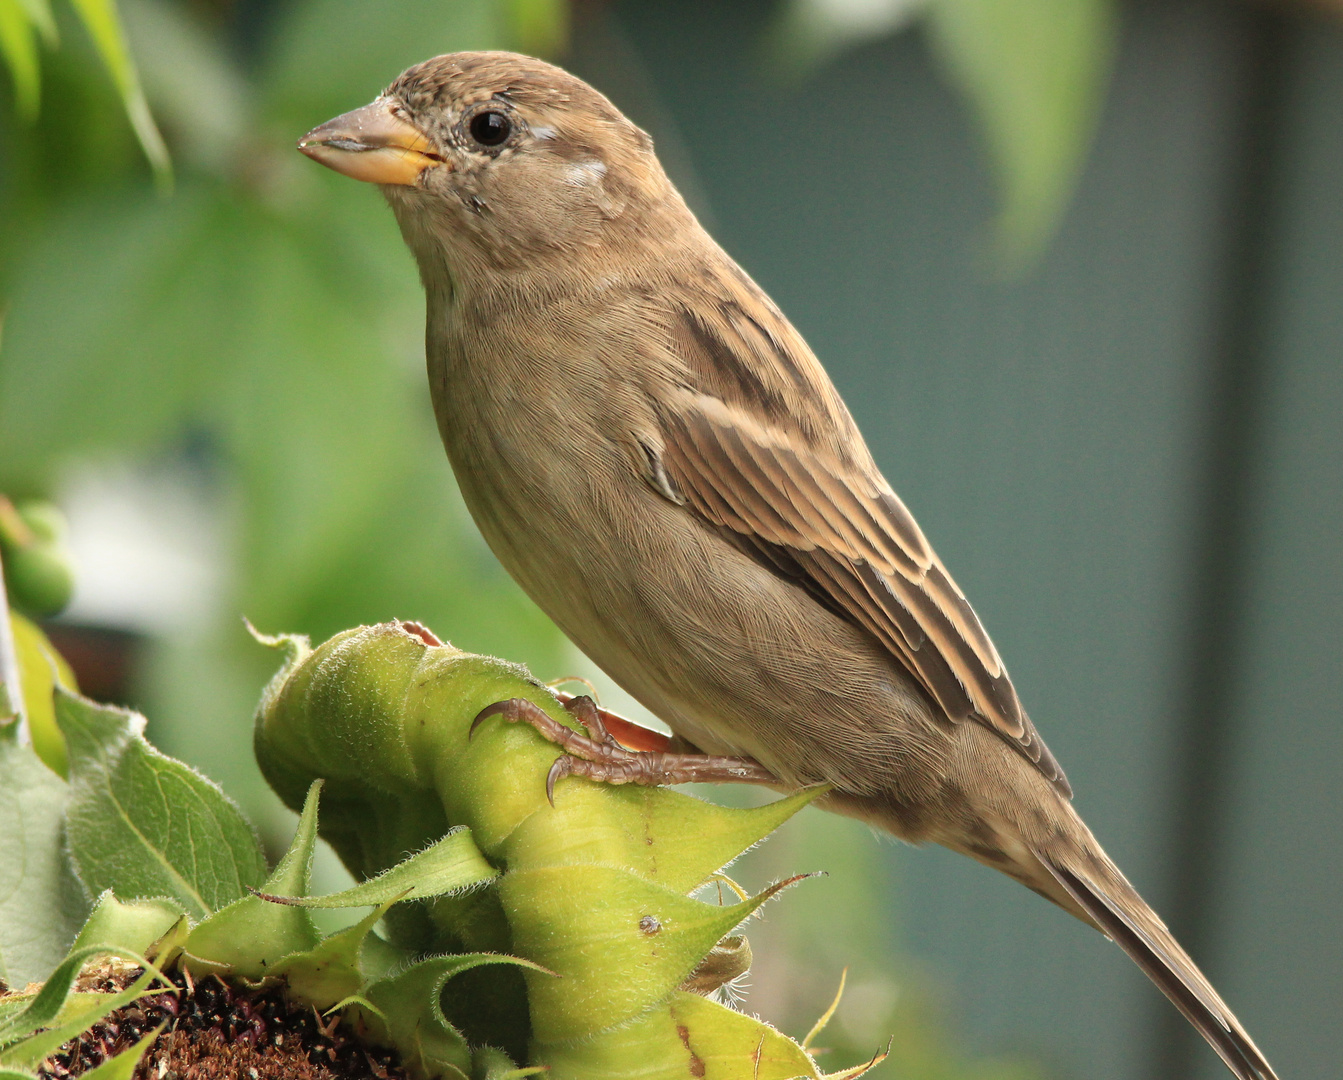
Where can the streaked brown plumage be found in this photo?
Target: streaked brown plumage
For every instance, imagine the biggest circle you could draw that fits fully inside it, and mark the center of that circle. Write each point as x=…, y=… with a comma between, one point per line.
x=656, y=455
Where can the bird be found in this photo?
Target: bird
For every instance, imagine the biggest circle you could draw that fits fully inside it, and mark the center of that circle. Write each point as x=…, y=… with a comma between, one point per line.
x=660, y=460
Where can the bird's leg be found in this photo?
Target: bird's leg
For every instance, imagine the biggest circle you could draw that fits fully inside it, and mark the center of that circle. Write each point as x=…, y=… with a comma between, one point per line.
x=598, y=755
x=612, y=728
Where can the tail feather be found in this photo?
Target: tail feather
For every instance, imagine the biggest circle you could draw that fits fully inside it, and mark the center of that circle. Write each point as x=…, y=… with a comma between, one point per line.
x=1123, y=915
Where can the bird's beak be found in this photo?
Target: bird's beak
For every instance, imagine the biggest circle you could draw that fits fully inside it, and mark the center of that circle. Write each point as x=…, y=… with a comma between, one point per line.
x=372, y=144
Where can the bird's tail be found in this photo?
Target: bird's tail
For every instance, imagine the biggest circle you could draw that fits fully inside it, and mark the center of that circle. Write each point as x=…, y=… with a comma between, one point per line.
x=1096, y=885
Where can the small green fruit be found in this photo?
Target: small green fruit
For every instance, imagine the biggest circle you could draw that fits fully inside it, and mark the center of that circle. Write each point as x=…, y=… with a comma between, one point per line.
x=39, y=580
x=39, y=577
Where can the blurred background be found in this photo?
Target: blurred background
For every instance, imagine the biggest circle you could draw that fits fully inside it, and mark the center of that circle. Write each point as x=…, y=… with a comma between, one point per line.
x=1077, y=267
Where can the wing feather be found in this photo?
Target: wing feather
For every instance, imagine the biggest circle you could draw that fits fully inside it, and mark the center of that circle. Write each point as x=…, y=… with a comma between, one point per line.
x=847, y=539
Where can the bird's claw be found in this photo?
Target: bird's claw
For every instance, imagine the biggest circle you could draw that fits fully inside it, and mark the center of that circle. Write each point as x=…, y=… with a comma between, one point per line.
x=562, y=767
x=600, y=757
x=507, y=709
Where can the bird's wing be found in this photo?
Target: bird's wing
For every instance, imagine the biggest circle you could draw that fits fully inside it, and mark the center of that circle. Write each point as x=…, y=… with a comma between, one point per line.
x=842, y=534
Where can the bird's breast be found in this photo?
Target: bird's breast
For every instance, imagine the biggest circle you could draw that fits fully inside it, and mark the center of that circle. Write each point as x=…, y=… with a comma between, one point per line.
x=726, y=652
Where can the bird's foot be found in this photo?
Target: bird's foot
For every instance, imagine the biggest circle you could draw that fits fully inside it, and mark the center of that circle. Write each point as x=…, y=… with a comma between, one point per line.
x=599, y=756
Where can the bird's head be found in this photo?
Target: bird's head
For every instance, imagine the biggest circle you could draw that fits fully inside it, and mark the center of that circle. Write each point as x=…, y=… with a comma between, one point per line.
x=497, y=160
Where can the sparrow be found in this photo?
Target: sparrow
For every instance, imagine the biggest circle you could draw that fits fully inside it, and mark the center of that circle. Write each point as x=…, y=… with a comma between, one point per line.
x=655, y=454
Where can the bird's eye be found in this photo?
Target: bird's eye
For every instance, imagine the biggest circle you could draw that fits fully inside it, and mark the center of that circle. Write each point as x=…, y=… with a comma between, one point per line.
x=490, y=128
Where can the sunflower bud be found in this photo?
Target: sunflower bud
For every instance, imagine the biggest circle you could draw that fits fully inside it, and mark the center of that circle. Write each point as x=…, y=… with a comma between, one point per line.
x=594, y=896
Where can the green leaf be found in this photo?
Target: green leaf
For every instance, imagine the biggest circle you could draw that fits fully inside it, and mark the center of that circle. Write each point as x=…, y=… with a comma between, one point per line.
x=39, y=14
x=249, y=936
x=46, y=1004
x=199, y=90
x=308, y=314
x=321, y=416
x=725, y=1040
x=449, y=865
x=34, y=1049
x=77, y=1004
x=144, y=825
x=487, y=1063
x=41, y=667
x=18, y=44
x=1035, y=72
x=104, y=27
x=293, y=873
x=412, y=1017
x=133, y=927
x=331, y=971
x=41, y=902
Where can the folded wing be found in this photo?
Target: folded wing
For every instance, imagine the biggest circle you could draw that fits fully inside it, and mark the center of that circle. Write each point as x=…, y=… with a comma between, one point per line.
x=846, y=538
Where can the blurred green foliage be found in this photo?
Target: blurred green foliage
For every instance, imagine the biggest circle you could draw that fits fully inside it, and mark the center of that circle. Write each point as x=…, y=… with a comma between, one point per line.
x=1033, y=74
x=264, y=323
x=23, y=22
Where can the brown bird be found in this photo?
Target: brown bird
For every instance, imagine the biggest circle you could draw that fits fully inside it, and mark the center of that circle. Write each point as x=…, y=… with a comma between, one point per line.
x=659, y=459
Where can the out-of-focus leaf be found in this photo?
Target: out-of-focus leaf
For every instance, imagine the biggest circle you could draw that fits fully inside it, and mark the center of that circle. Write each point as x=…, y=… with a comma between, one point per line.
x=311, y=415
x=420, y=555
x=121, y=326
x=39, y=14
x=41, y=668
x=333, y=55
x=104, y=26
x=287, y=331
x=144, y=825
x=18, y=44
x=278, y=338
x=41, y=903
x=807, y=33
x=538, y=27
x=1034, y=72
x=193, y=83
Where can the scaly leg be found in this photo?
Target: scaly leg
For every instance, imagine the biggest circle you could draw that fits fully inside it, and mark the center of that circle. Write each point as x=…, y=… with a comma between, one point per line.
x=627, y=733
x=599, y=757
